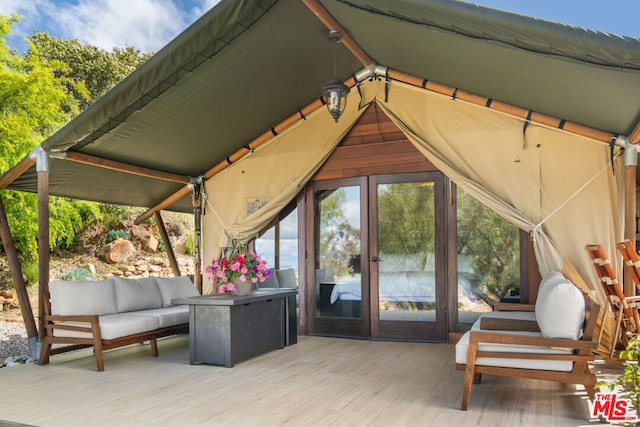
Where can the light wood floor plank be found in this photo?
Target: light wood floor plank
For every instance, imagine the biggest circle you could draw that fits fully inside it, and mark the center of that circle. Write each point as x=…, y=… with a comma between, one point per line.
x=317, y=382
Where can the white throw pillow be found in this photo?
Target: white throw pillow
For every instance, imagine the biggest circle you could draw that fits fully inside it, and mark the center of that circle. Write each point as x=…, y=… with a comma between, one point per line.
x=137, y=294
x=81, y=298
x=559, y=308
x=174, y=288
x=271, y=281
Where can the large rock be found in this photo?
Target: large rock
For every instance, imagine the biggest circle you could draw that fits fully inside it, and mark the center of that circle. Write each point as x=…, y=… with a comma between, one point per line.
x=150, y=244
x=118, y=251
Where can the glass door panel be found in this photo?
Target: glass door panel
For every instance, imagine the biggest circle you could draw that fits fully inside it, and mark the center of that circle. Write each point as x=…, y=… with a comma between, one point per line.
x=338, y=279
x=408, y=301
x=338, y=288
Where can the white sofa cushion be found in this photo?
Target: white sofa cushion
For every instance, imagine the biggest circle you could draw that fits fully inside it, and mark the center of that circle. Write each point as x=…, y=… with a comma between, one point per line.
x=136, y=294
x=80, y=298
x=114, y=326
x=462, y=347
x=168, y=316
x=271, y=281
x=559, y=308
x=123, y=324
x=175, y=287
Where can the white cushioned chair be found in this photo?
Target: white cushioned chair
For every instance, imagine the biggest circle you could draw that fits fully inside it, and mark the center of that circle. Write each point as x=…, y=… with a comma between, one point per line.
x=552, y=342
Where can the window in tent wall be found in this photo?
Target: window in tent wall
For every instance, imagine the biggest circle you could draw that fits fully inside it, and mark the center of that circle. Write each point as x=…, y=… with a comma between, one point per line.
x=278, y=244
x=488, y=258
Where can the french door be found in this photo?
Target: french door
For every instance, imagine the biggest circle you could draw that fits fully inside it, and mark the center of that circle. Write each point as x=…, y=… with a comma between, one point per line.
x=378, y=252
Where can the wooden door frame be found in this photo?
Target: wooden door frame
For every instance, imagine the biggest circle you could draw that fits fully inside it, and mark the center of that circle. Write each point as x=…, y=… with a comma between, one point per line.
x=343, y=326
x=437, y=330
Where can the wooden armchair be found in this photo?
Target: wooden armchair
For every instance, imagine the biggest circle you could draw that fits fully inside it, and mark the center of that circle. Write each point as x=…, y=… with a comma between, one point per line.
x=631, y=261
x=625, y=308
x=516, y=346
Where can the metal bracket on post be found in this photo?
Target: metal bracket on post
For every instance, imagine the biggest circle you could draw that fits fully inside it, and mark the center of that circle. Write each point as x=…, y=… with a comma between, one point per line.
x=41, y=157
x=196, y=199
x=630, y=151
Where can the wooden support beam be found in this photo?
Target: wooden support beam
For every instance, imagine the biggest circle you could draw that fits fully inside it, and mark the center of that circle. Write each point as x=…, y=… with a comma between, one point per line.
x=100, y=162
x=197, y=218
x=503, y=107
x=329, y=21
x=629, y=218
x=15, y=172
x=43, y=245
x=16, y=274
x=634, y=136
x=167, y=244
x=163, y=204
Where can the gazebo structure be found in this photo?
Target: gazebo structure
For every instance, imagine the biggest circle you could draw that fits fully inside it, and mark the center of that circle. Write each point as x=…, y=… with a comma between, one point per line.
x=537, y=120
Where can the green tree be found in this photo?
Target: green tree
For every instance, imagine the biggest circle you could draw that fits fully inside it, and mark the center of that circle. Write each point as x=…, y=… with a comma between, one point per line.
x=40, y=92
x=338, y=238
x=89, y=71
x=493, y=245
x=406, y=219
x=34, y=103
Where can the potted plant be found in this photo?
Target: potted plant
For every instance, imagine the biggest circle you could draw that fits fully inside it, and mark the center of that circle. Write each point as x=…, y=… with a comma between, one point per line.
x=628, y=384
x=238, y=272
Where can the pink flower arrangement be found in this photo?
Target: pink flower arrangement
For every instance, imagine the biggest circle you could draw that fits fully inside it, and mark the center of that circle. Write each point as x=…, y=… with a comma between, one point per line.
x=245, y=266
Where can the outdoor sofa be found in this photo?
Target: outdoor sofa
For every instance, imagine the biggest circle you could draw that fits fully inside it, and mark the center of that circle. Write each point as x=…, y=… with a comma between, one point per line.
x=112, y=313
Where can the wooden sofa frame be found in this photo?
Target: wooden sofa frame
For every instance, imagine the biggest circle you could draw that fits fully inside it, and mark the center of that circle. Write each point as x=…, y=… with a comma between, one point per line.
x=99, y=345
x=582, y=354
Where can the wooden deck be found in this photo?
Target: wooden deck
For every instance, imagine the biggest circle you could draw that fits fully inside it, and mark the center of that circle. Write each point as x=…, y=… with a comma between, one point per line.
x=317, y=382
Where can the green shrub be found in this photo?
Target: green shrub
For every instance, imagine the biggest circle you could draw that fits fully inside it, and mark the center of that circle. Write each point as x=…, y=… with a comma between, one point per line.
x=30, y=271
x=190, y=245
x=117, y=234
x=79, y=274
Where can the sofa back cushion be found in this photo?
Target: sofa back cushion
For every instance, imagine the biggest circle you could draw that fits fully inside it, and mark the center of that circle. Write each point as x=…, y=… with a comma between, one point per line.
x=287, y=278
x=80, y=298
x=175, y=287
x=271, y=281
x=559, y=308
x=136, y=294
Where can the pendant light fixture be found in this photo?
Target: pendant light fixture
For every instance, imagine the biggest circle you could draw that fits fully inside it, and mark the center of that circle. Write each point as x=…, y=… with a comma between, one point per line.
x=335, y=92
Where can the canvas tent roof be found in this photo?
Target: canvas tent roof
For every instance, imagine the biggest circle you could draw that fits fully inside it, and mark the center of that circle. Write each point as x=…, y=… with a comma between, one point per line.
x=247, y=65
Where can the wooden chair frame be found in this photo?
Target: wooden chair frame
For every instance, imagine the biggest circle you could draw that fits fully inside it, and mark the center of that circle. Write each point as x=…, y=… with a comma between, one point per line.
x=631, y=261
x=582, y=353
x=624, y=308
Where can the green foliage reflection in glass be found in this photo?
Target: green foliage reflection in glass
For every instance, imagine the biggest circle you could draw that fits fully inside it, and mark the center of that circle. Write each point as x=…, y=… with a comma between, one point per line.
x=339, y=233
x=492, y=243
x=406, y=219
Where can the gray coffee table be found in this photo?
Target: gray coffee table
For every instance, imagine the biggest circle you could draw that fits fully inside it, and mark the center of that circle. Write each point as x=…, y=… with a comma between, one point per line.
x=226, y=329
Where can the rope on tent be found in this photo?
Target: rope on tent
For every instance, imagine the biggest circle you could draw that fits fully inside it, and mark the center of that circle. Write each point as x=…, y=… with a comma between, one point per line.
x=205, y=196
x=537, y=229
x=612, y=145
x=526, y=124
x=387, y=80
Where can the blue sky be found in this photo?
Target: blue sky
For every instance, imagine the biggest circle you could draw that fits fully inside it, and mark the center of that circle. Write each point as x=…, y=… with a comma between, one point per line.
x=150, y=24
x=144, y=24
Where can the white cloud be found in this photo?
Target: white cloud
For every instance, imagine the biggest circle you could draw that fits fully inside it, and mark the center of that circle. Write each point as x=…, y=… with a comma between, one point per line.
x=144, y=24
x=147, y=25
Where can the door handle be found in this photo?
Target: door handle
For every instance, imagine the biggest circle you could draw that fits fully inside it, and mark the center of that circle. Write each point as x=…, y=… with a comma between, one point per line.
x=375, y=259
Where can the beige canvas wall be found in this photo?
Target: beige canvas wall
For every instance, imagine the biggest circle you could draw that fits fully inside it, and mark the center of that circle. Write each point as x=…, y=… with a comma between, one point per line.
x=560, y=187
